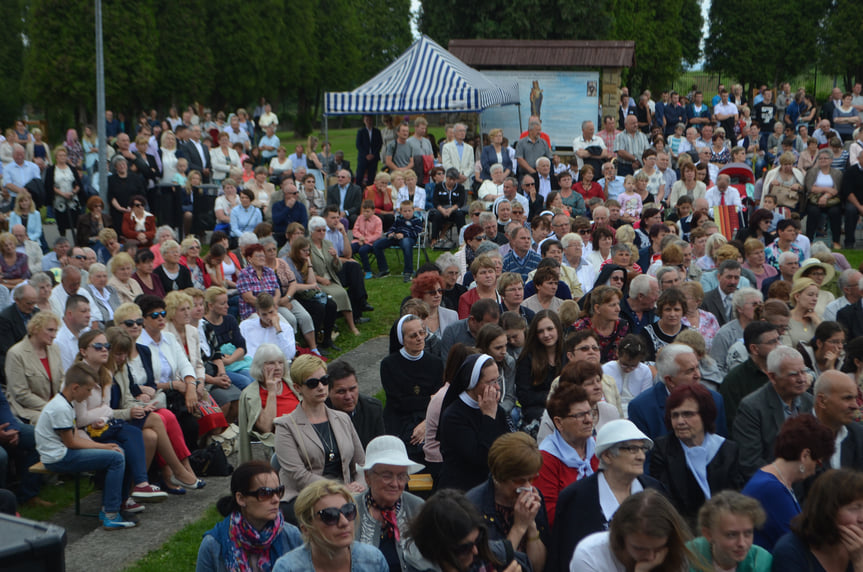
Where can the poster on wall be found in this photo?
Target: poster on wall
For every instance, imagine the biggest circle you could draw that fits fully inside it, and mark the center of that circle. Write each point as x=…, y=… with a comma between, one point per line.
x=561, y=99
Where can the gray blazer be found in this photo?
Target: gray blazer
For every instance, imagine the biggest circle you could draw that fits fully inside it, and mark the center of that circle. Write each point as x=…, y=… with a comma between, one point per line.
x=113, y=301
x=759, y=418
x=301, y=453
x=368, y=530
x=713, y=303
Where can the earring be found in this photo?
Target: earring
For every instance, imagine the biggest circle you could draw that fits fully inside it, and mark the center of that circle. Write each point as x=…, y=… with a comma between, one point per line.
x=802, y=468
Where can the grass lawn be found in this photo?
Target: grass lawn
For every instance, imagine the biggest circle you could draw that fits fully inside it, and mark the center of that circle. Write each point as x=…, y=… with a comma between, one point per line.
x=180, y=553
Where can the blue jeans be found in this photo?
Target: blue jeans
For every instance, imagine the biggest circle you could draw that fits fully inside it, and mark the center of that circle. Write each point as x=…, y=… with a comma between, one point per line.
x=241, y=380
x=406, y=244
x=363, y=251
x=79, y=460
x=131, y=441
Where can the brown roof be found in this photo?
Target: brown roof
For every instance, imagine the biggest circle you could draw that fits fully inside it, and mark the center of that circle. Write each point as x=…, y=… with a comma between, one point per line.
x=543, y=53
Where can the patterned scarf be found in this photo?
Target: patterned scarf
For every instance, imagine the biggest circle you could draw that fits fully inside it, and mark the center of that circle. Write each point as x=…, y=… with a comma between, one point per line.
x=389, y=527
x=246, y=543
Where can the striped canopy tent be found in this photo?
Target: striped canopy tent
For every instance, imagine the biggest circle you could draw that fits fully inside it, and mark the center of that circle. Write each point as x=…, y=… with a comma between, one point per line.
x=424, y=79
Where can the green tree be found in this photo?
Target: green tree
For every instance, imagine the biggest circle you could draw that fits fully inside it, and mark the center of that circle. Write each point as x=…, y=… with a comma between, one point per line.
x=840, y=43
x=183, y=54
x=11, y=60
x=776, y=45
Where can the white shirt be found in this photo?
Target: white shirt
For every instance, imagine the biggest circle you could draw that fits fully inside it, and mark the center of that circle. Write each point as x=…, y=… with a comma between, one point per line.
x=59, y=296
x=57, y=415
x=255, y=335
x=714, y=197
x=169, y=358
x=594, y=553
x=833, y=308
x=607, y=501
x=68, y=344
x=580, y=143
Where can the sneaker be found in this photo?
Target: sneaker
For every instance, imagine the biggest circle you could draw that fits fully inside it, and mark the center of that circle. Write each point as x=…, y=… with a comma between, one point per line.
x=115, y=522
x=131, y=506
x=406, y=277
x=383, y=273
x=369, y=276
x=149, y=493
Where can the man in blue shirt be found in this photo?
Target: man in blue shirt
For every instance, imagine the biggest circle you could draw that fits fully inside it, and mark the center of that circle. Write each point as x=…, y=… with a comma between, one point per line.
x=19, y=172
x=269, y=143
x=521, y=259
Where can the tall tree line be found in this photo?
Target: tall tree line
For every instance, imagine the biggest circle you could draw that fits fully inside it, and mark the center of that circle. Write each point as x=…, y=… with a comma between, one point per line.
x=221, y=53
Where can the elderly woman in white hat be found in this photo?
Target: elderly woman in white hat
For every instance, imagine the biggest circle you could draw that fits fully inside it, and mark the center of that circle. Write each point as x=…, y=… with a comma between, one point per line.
x=588, y=505
x=822, y=274
x=385, y=509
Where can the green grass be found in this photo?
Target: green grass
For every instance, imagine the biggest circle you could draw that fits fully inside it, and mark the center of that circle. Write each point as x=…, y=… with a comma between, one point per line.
x=181, y=551
x=62, y=495
x=340, y=140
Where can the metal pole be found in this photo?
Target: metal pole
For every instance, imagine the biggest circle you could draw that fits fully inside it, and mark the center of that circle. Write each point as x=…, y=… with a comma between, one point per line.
x=100, y=106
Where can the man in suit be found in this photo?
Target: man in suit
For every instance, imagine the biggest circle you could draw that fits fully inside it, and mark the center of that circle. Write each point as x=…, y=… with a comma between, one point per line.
x=851, y=318
x=546, y=180
x=676, y=364
x=13, y=321
x=459, y=155
x=789, y=264
x=762, y=412
x=835, y=405
x=196, y=153
x=718, y=301
x=346, y=195
x=366, y=413
x=369, y=143
x=339, y=163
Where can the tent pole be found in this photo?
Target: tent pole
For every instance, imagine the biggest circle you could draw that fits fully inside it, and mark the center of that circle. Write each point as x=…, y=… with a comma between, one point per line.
x=326, y=130
x=520, y=128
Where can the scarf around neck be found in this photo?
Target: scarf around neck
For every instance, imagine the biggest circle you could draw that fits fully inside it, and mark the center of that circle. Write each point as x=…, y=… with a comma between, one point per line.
x=555, y=445
x=246, y=542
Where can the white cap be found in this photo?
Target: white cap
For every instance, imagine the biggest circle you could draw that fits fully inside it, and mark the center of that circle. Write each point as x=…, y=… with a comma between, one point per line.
x=388, y=450
x=618, y=431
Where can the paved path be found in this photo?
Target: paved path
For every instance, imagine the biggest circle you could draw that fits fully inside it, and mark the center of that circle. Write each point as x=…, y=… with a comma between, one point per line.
x=91, y=548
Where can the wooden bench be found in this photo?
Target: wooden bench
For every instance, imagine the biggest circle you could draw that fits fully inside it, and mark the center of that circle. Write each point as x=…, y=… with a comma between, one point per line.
x=40, y=469
x=420, y=483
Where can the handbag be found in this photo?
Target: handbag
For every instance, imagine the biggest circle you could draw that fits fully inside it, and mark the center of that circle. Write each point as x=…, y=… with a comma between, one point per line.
x=831, y=202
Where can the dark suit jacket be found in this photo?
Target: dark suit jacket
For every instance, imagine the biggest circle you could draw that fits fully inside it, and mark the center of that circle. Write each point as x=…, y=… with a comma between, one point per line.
x=365, y=145
x=758, y=420
x=353, y=198
x=713, y=303
x=668, y=466
x=851, y=318
x=488, y=157
x=647, y=411
x=368, y=418
x=190, y=153
x=12, y=330
x=578, y=514
x=765, y=285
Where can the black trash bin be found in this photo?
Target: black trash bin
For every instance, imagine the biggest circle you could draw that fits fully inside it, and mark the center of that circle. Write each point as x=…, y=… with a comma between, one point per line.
x=30, y=546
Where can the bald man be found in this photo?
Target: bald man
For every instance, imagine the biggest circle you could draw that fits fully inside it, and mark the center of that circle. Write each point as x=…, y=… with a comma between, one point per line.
x=835, y=406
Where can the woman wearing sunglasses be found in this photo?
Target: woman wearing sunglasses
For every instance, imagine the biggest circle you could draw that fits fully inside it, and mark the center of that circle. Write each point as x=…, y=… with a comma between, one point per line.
x=315, y=442
x=253, y=534
x=327, y=513
x=451, y=535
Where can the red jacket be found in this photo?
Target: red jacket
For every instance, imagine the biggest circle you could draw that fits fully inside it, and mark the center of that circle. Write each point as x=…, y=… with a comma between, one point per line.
x=553, y=477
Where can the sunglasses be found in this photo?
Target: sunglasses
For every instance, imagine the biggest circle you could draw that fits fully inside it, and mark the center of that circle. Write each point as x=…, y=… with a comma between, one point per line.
x=161, y=314
x=313, y=382
x=465, y=549
x=80, y=257
x=266, y=493
x=433, y=292
x=330, y=516
x=137, y=205
x=130, y=323
x=100, y=347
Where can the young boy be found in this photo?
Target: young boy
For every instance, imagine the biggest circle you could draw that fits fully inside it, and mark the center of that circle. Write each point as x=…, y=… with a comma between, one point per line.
x=613, y=213
x=404, y=232
x=180, y=177
x=367, y=230
x=770, y=203
x=61, y=449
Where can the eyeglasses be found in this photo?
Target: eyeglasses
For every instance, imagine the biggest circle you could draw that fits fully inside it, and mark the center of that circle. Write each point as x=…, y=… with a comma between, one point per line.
x=527, y=184
x=839, y=343
x=80, y=257
x=584, y=232
x=154, y=315
x=634, y=449
x=137, y=205
x=580, y=416
x=266, y=493
x=130, y=323
x=587, y=348
x=330, y=516
x=100, y=347
x=389, y=476
x=433, y=292
x=474, y=214
x=313, y=382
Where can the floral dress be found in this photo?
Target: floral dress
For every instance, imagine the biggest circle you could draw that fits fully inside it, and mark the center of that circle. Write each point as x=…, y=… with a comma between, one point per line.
x=607, y=344
x=708, y=325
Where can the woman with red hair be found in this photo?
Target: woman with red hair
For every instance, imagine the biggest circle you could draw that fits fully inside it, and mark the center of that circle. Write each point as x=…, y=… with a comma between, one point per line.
x=429, y=287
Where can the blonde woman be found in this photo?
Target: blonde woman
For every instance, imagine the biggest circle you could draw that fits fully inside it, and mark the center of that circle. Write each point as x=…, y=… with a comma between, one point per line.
x=25, y=214
x=121, y=267
x=804, y=319
x=168, y=153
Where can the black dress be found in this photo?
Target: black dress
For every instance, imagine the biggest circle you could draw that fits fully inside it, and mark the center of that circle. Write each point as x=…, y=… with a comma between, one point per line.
x=465, y=436
x=409, y=386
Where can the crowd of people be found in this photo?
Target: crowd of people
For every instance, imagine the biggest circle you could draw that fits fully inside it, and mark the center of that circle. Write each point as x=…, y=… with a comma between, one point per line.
x=591, y=374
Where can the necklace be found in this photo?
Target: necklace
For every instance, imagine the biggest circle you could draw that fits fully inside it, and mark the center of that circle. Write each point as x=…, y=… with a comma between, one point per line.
x=780, y=476
x=329, y=447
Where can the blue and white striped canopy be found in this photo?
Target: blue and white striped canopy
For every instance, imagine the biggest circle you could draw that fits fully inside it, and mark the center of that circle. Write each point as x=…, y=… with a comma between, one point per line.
x=424, y=79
